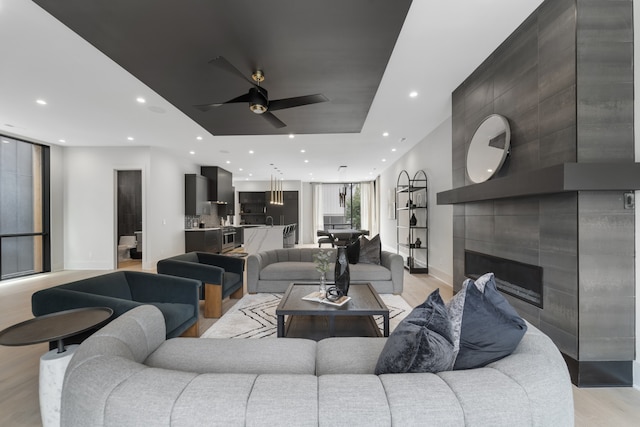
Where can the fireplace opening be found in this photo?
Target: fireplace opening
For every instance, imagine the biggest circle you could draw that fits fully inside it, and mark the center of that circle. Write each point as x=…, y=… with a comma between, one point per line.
x=520, y=280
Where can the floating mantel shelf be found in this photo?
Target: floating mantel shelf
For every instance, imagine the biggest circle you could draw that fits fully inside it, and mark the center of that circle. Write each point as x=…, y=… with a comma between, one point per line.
x=555, y=179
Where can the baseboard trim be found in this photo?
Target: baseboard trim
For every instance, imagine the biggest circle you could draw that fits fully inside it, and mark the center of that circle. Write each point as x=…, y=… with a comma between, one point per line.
x=617, y=373
x=441, y=275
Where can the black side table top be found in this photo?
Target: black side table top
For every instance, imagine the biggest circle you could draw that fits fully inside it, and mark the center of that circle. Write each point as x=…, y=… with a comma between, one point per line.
x=54, y=326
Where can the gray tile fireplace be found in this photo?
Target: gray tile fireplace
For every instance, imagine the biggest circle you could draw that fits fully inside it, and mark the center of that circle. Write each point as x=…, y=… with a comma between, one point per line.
x=564, y=80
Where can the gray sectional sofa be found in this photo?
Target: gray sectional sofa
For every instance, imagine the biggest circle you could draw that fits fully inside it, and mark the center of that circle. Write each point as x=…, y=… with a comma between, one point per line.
x=128, y=374
x=275, y=270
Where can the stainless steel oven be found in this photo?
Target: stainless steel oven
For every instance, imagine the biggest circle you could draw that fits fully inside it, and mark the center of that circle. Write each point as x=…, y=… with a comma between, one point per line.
x=228, y=238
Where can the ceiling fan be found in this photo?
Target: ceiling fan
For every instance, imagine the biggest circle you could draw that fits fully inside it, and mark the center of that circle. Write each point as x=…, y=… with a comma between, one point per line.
x=258, y=97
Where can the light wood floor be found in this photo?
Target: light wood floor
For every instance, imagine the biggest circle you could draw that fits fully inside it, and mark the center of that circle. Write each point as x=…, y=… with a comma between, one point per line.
x=19, y=365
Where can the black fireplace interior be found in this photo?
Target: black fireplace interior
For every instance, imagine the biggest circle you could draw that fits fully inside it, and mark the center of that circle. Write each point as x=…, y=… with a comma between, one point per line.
x=520, y=280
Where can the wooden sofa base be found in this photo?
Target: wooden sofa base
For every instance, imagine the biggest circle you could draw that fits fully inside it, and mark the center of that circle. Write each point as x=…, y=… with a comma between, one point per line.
x=192, y=332
x=213, y=299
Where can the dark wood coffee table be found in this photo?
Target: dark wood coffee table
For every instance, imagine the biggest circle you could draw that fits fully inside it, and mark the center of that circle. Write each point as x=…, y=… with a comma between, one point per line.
x=314, y=320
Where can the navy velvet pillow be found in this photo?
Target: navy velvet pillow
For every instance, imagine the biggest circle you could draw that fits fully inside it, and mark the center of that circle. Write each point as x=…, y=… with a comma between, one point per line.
x=353, y=252
x=421, y=342
x=491, y=328
x=370, y=250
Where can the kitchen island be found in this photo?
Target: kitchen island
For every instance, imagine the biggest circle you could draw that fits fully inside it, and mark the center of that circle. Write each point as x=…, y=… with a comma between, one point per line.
x=264, y=237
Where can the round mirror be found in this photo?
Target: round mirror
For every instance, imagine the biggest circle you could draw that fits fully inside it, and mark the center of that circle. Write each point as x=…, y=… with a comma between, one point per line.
x=488, y=148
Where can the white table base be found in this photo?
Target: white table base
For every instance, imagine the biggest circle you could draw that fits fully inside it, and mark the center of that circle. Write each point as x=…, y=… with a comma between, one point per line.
x=53, y=365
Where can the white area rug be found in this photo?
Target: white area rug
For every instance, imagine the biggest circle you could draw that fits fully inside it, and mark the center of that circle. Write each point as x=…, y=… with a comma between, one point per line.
x=254, y=316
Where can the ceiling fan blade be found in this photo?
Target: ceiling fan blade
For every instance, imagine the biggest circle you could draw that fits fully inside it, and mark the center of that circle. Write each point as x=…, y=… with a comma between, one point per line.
x=223, y=64
x=275, y=122
x=281, y=104
x=207, y=107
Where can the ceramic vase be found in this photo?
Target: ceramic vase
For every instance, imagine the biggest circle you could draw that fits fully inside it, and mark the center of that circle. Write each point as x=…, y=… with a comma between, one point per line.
x=413, y=221
x=342, y=278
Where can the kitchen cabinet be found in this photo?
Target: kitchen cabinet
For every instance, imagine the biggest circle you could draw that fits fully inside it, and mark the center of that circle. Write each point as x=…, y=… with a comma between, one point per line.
x=252, y=207
x=239, y=239
x=195, y=195
x=203, y=240
x=220, y=189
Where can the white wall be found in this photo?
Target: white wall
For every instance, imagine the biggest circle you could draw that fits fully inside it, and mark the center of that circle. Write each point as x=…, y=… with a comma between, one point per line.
x=433, y=155
x=636, y=79
x=56, y=209
x=89, y=204
x=163, y=207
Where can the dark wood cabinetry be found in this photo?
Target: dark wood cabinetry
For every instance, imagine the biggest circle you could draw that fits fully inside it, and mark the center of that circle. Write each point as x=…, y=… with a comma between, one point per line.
x=220, y=189
x=203, y=241
x=255, y=208
x=252, y=207
x=195, y=194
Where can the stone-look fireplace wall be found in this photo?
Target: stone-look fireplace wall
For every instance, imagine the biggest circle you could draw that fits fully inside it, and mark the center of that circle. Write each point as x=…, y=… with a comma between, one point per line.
x=564, y=79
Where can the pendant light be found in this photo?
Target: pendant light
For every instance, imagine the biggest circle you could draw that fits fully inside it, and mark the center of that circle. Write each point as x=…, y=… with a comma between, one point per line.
x=276, y=195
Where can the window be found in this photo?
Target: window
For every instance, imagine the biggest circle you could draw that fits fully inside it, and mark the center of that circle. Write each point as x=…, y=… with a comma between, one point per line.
x=341, y=206
x=24, y=212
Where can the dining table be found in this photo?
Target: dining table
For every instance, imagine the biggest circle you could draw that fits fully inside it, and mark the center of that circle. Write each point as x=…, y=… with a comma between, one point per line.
x=347, y=235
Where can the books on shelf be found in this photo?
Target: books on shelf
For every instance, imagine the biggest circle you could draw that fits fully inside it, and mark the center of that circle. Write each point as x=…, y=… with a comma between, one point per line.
x=315, y=296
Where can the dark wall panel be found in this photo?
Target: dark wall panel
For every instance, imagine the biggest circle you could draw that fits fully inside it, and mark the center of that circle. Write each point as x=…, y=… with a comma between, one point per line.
x=564, y=80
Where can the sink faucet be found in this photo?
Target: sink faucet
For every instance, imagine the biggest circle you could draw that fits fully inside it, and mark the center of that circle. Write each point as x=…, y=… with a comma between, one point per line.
x=269, y=217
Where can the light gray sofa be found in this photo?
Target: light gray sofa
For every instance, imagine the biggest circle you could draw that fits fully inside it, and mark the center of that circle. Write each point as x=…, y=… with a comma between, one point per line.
x=275, y=270
x=128, y=374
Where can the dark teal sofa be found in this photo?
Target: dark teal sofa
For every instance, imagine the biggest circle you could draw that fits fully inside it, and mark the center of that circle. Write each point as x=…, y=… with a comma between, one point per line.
x=176, y=297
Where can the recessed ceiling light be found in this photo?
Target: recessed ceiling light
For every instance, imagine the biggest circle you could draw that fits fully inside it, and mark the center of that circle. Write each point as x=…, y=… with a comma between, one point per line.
x=130, y=138
x=413, y=94
x=393, y=150
x=192, y=152
x=240, y=169
x=141, y=100
x=250, y=151
x=384, y=160
x=303, y=151
x=385, y=134
x=41, y=101
x=199, y=138
x=62, y=140
x=228, y=162
x=291, y=136
x=306, y=161
x=250, y=174
x=5, y=141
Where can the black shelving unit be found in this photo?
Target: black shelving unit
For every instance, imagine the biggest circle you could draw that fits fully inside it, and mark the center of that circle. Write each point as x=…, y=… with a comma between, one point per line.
x=412, y=221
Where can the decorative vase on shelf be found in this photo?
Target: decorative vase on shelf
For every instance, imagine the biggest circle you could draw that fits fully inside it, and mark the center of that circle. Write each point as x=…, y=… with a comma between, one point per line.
x=342, y=278
x=418, y=242
x=413, y=221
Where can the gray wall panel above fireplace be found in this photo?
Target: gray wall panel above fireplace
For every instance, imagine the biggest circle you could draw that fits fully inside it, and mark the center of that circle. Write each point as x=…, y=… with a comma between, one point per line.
x=564, y=82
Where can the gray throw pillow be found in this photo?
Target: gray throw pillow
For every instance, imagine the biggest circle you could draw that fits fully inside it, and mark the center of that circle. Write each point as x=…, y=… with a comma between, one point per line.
x=370, y=250
x=421, y=342
x=490, y=329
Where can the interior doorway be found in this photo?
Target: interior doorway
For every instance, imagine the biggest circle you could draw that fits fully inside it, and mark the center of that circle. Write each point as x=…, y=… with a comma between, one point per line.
x=129, y=219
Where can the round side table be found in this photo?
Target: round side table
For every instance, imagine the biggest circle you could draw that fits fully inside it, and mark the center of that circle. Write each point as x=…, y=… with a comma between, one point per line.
x=53, y=364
